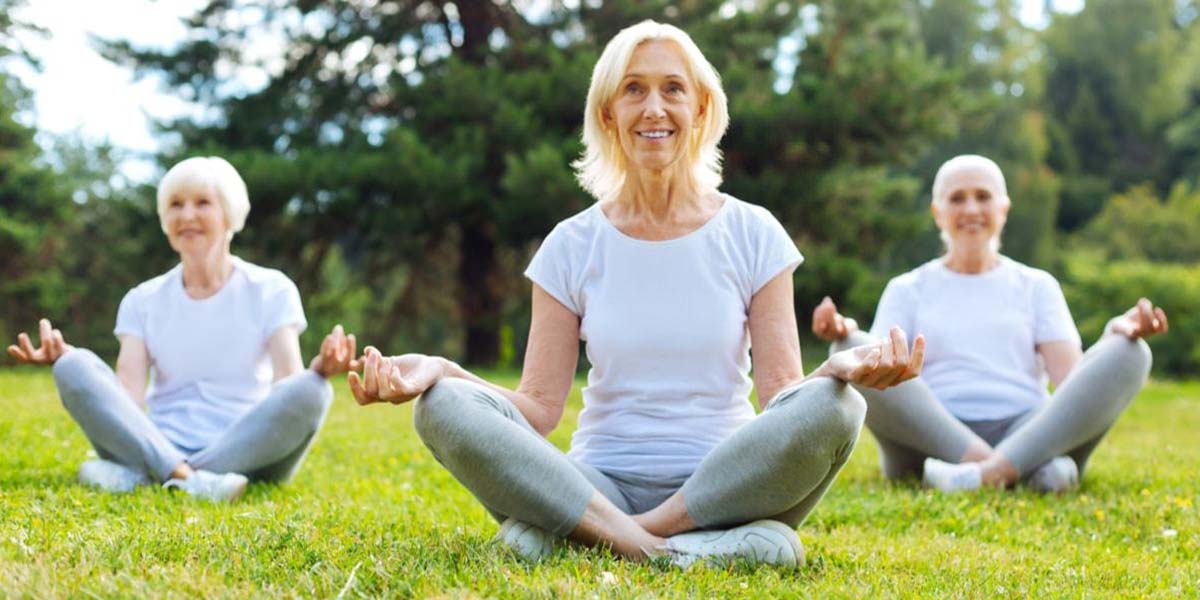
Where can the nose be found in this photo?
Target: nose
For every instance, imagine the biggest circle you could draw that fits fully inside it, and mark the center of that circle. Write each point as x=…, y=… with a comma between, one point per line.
x=654, y=106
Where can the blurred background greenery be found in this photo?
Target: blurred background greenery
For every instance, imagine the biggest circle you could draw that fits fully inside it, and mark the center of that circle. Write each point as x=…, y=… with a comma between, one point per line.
x=407, y=156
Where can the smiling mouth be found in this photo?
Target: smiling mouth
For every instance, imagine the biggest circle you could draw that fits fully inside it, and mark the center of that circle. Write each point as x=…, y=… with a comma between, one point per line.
x=656, y=134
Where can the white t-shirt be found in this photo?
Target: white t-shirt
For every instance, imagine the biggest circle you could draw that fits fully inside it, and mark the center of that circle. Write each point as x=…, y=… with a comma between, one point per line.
x=208, y=358
x=665, y=324
x=981, y=333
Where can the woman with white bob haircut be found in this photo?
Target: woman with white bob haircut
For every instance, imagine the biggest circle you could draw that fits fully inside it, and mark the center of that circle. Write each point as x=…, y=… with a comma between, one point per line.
x=669, y=282
x=995, y=328
x=229, y=398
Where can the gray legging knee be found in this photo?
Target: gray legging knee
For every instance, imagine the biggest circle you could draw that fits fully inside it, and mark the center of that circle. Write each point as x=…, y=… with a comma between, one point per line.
x=777, y=466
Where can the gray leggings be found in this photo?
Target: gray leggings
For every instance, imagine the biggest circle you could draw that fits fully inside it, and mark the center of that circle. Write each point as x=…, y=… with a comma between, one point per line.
x=268, y=443
x=910, y=424
x=776, y=466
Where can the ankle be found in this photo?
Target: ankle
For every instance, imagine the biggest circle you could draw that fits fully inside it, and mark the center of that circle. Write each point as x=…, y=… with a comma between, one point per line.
x=998, y=471
x=977, y=451
x=181, y=471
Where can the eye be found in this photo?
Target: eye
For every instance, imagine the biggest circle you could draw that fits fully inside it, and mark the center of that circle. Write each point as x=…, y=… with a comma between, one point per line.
x=983, y=195
x=203, y=202
x=675, y=88
x=174, y=204
x=633, y=89
x=957, y=198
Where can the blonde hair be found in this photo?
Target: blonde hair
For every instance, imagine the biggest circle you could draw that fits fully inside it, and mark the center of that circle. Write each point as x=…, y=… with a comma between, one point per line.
x=969, y=162
x=207, y=171
x=602, y=168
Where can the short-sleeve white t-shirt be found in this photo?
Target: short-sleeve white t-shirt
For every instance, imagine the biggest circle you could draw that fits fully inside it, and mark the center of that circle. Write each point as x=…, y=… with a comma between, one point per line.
x=981, y=333
x=665, y=326
x=208, y=358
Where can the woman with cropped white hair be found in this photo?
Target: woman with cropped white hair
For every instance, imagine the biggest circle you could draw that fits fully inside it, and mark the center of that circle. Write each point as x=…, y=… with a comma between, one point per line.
x=995, y=329
x=229, y=399
x=669, y=282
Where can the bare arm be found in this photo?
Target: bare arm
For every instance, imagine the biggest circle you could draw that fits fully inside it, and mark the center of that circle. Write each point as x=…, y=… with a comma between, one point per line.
x=133, y=365
x=550, y=360
x=1059, y=358
x=775, y=339
x=284, y=349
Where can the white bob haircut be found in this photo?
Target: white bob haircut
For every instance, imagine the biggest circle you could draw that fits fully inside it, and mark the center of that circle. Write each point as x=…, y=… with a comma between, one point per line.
x=979, y=165
x=207, y=173
x=602, y=168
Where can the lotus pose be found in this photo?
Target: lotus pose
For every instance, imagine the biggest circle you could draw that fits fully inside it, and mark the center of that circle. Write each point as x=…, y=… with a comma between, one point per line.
x=229, y=398
x=996, y=329
x=669, y=282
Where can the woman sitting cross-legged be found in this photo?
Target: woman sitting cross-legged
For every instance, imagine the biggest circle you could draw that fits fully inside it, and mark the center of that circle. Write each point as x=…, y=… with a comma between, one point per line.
x=995, y=329
x=229, y=398
x=669, y=282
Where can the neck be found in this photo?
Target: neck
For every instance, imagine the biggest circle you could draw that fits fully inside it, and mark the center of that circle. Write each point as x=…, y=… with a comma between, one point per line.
x=206, y=273
x=658, y=194
x=971, y=261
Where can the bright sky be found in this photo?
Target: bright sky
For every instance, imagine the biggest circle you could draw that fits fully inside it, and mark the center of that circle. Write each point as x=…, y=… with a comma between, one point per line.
x=79, y=92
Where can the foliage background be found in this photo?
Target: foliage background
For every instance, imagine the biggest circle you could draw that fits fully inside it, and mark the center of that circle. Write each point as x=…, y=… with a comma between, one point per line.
x=405, y=157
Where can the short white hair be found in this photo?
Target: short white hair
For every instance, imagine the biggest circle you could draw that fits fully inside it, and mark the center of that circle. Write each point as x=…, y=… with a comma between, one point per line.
x=969, y=162
x=211, y=172
x=601, y=170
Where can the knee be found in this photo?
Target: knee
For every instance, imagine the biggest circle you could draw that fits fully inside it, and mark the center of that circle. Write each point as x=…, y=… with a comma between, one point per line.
x=434, y=412
x=71, y=370
x=306, y=398
x=1132, y=357
x=839, y=408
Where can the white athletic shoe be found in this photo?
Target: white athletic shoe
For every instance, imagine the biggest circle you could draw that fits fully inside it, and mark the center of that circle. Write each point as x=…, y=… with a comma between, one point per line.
x=214, y=487
x=761, y=542
x=111, y=476
x=949, y=477
x=530, y=542
x=1058, y=475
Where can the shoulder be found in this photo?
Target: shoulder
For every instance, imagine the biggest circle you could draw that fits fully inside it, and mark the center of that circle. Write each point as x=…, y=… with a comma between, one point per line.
x=262, y=276
x=154, y=286
x=1031, y=276
x=751, y=217
x=908, y=282
x=578, y=229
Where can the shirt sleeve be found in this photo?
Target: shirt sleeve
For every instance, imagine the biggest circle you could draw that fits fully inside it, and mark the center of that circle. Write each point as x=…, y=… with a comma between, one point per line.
x=131, y=316
x=550, y=268
x=776, y=252
x=896, y=308
x=283, y=306
x=1052, y=317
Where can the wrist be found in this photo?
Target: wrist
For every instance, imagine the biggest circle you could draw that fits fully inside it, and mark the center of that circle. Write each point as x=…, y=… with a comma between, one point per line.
x=449, y=368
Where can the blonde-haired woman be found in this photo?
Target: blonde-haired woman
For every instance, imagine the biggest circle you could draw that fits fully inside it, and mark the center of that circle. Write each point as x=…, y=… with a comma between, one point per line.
x=669, y=282
x=229, y=398
x=995, y=328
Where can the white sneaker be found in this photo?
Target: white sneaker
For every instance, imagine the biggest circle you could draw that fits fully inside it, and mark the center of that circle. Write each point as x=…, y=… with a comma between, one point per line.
x=761, y=542
x=1058, y=475
x=111, y=476
x=949, y=477
x=530, y=542
x=214, y=487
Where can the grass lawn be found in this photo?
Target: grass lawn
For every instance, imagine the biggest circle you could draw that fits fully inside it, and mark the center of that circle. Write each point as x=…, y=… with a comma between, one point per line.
x=372, y=514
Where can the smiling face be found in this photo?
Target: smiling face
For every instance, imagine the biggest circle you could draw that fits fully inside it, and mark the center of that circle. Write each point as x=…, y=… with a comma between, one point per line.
x=194, y=220
x=972, y=210
x=655, y=107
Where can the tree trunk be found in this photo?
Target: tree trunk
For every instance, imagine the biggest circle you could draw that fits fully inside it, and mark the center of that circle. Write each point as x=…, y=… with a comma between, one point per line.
x=480, y=304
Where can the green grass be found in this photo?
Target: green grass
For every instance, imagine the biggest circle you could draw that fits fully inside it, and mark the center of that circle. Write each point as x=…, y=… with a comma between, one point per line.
x=373, y=514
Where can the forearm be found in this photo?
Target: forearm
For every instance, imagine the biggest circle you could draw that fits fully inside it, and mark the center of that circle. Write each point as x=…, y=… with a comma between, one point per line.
x=135, y=387
x=540, y=415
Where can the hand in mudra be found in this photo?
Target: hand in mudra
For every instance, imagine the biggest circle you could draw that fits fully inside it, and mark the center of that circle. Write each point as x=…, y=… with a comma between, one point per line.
x=337, y=354
x=880, y=365
x=51, y=349
x=1141, y=321
x=829, y=325
x=395, y=379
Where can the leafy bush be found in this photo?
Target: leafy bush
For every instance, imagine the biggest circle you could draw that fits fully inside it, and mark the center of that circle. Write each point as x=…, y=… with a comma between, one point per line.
x=1097, y=290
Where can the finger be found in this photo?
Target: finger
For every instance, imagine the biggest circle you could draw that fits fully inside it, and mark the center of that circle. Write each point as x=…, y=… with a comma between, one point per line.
x=57, y=342
x=339, y=343
x=26, y=346
x=371, y=374
x=45, y=331
x=1162, y=319
x=917, y=362
x=900, y=343
x=351, y=348
x=17, y=353
x=356, y=388
x=839, y=325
